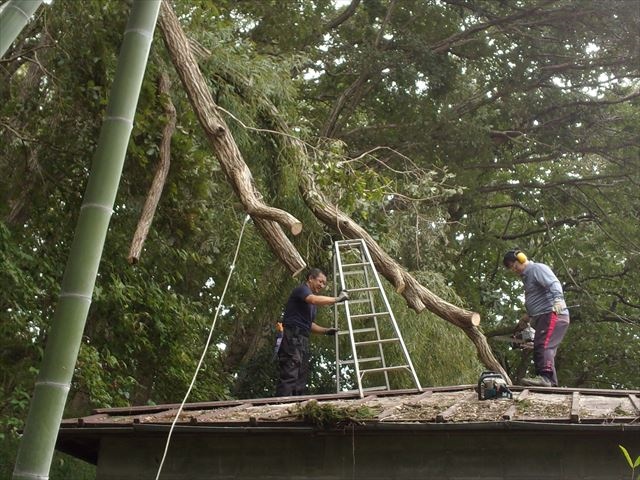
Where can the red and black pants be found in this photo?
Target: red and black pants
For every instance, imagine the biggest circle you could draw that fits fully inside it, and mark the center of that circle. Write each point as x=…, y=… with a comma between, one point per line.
x=550, y=330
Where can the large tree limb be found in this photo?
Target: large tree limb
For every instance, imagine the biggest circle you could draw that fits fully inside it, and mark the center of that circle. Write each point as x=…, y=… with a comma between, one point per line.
x=267, y=219
x=417, y=296
x=157, y=185
x=344, y=16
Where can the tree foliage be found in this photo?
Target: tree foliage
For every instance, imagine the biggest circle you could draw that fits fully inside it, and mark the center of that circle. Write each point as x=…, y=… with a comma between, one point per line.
x=450, y=130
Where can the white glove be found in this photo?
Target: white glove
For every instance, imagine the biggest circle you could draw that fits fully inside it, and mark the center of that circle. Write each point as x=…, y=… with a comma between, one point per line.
x=559, y=306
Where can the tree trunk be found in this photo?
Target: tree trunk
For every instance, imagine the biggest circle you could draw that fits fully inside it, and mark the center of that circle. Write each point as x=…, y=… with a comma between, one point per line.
x=267, y=219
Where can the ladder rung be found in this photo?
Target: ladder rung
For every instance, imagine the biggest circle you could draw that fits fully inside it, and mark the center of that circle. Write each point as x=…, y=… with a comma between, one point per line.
x=354, y=272
x=342, y=243
x=364, y=289
x=383, y=369
x=358, y=264
x=367, y=315
x=376, y=342
x=359, y=300
x=357, y=330
x=360, y=360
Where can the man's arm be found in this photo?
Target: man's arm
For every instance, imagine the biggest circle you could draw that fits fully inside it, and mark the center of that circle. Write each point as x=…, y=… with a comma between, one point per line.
x=323, y=300
x=549, y=280
x=315, y=328
x=523, y=323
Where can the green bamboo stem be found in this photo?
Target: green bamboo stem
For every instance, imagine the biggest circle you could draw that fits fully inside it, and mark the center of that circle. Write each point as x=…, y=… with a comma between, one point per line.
x=61, y=352
x=13, y=17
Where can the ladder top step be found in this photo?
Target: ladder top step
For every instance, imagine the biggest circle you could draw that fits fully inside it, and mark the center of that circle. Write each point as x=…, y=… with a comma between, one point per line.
x=357, y=241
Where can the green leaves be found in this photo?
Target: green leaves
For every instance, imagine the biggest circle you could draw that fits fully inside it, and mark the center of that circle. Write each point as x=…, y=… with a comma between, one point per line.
x=631, y=463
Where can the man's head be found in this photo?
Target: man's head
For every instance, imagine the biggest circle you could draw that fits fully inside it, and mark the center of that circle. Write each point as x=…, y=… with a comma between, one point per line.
x=317, y=280
x=515, y=260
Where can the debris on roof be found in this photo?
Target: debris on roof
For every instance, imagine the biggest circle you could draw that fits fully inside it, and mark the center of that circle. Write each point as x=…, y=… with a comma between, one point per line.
x=439, y=405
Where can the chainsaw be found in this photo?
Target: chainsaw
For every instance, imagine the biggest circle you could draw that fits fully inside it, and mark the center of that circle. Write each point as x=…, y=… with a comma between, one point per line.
x=492, y=386
x=522, y=340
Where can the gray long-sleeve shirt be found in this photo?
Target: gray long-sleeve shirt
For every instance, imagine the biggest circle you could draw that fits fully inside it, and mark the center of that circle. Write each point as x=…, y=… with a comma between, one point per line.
x=541, y=288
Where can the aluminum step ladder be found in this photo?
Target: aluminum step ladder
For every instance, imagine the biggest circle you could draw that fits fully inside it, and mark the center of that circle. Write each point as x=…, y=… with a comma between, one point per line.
x=366, y=318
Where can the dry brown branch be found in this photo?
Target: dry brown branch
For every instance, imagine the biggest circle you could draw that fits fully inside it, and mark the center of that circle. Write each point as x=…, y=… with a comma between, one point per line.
x=267, y=219
x=344, y=16
x=416, y=295
x=157, y=185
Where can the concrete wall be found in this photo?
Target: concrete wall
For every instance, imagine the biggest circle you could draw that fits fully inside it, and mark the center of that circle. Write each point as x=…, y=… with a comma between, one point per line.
x=389, y=455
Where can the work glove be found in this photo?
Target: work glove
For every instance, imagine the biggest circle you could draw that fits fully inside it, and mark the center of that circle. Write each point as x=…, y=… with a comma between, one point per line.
x=342, y=296
x=331, y=331
x=559, y=306
x=526, y=346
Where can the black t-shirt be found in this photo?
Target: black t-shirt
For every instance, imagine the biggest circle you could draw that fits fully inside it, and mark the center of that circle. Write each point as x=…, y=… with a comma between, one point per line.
x=297, y=312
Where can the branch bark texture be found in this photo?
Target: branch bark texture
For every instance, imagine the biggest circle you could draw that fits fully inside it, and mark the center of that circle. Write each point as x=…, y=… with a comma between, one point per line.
x=416, y=295
x=153, y=197
x=267, y=219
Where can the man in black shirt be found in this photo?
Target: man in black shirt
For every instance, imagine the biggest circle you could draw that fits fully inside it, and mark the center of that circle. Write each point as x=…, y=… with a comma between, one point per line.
x=298, y=322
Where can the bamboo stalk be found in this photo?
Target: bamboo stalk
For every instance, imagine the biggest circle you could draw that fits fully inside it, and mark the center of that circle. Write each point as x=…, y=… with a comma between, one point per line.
x=13, y=18
x=61, y=352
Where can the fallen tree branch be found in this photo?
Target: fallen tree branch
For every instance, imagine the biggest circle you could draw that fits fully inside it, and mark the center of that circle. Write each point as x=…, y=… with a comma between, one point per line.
x=157, y=185
x=267, y=219
x=416, y=295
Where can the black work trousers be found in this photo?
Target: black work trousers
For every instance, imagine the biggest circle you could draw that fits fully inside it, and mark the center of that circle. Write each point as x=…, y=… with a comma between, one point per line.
x=293, y=362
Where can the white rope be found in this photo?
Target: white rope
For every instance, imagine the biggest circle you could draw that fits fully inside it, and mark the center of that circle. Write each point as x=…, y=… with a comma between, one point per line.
x=206, y=347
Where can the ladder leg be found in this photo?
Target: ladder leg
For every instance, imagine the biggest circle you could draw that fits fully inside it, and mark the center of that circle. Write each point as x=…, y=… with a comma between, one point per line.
x=375, y=320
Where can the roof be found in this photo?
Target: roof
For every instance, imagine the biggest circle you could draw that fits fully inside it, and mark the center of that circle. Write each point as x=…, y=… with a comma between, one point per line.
x=448, y=408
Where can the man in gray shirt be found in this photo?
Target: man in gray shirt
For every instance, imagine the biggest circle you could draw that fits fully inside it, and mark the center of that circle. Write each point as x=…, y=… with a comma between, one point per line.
x=547, y=311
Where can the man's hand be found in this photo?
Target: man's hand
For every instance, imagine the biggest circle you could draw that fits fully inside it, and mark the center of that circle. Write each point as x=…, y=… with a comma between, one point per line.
x=331, y=331
x=559, y=306
x=342, y=296
x=523, y=323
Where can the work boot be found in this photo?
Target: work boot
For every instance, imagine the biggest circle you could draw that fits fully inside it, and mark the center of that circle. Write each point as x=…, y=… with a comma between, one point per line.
x=538, y=381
